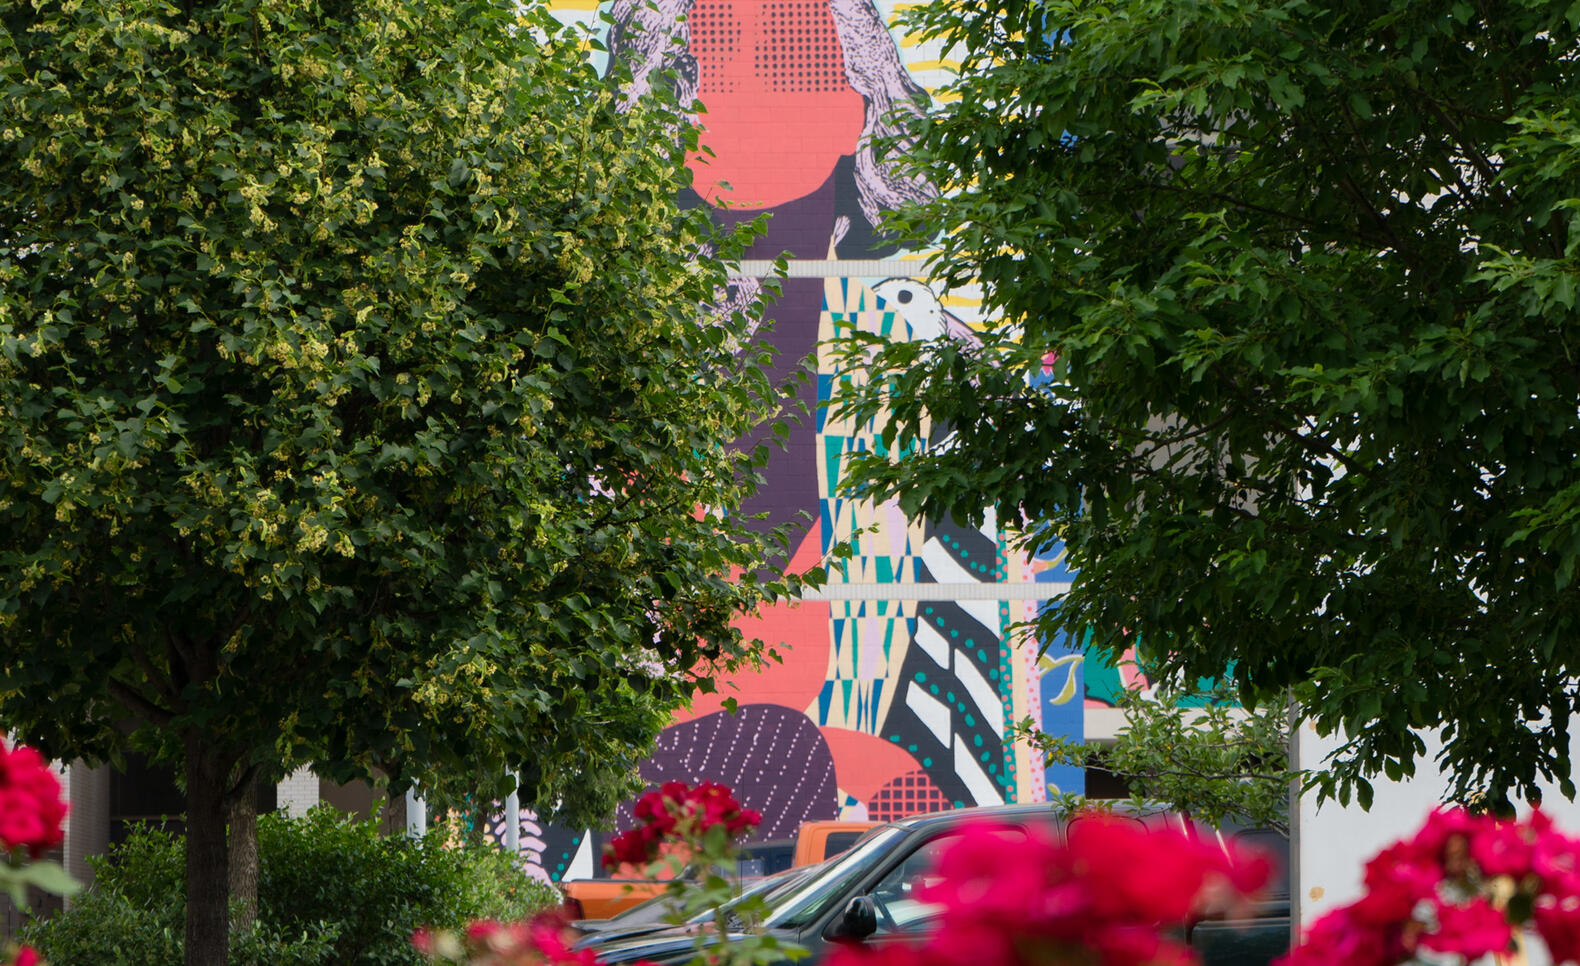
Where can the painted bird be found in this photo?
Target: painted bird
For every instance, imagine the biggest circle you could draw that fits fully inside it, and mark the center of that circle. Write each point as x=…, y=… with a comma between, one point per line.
x=923, y=313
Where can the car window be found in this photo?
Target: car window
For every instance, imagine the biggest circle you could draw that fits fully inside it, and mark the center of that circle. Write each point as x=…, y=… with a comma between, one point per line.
x=838, y=842
x=765, y=858
x=794, y=906
x=662, y=908
x=1078, y=825
x=1273, y=843
x=1276, y=847
x=896, y=896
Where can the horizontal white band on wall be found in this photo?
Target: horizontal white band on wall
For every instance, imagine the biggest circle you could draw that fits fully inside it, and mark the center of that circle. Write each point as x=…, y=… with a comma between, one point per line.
x=839, y=268
x=960, y=591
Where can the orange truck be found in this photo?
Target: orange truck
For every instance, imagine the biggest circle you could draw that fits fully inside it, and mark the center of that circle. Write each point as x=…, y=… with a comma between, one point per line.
x=814, y=842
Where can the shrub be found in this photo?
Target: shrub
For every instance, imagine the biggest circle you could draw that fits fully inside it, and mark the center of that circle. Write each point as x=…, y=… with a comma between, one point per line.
x=380, y=889
x=331, y=890
x=107, y=927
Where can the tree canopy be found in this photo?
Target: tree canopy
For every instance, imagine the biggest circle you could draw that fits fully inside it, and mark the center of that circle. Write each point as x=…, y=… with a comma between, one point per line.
x=1286, y=351
x=354, y=405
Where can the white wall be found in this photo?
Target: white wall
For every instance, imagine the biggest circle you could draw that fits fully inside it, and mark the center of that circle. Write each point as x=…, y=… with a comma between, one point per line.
x=88, y=823
x=297, y=793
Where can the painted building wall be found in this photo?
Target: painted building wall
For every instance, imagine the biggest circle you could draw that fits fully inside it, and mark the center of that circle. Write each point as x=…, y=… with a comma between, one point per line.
x=900, y=682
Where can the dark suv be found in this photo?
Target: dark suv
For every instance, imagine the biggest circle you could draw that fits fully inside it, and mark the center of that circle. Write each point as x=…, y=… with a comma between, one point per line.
x=865, y=895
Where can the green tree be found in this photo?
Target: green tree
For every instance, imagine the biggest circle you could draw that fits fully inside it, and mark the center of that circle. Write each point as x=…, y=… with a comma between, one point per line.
x=356, y=408
x=1286, y=352
x=1193, y=749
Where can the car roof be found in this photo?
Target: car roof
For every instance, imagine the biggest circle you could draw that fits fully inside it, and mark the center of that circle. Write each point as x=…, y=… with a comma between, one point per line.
x=955, y=816
x=1019, y=811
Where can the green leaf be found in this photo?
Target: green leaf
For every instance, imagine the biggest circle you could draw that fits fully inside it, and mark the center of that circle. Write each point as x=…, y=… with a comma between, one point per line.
x=49, y=876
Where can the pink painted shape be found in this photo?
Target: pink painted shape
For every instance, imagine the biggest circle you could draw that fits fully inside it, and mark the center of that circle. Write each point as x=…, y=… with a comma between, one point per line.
x=863, y=763
x=799, y=632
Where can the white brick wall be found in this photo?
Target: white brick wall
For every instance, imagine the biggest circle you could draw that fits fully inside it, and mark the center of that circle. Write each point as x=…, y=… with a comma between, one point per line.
x=298, y=792
x=88, y=824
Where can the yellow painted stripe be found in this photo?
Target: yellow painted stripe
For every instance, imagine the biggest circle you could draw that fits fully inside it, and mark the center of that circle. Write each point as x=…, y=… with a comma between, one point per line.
x=555, y=5
x=960, y=301
x=946, y=64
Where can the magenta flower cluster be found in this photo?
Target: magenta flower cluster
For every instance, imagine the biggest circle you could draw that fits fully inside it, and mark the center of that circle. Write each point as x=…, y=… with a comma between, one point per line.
x=32, y=815
x=676, y=812
x=1462, y=885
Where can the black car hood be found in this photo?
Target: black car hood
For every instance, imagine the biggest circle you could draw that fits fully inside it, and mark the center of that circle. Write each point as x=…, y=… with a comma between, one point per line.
x=673, y=944
x=602, y=935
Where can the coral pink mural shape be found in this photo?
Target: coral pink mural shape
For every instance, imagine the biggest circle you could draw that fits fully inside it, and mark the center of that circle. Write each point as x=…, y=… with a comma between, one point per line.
x=780, y=111
x=863, y=763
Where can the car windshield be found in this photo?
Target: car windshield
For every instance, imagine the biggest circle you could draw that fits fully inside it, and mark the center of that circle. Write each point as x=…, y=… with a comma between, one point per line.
x=660, y=909
x=797, y=903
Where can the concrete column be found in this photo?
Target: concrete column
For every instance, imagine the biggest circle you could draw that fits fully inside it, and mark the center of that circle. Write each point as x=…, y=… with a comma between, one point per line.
x=416, y=815
x=513, y=823
x=88, y=822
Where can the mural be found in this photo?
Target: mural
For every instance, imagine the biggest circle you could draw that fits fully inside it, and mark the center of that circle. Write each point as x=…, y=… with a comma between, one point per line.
x=898, y=688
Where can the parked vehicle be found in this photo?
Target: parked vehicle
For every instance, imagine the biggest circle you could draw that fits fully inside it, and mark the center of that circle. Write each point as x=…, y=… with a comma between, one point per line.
x=592, y=899
x=866, y=895
x=814, y=842
x=660, y=912
x=1256, y=935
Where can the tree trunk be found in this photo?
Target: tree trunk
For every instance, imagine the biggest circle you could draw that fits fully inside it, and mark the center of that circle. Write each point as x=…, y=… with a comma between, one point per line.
x=208, y=913
x=241, y=816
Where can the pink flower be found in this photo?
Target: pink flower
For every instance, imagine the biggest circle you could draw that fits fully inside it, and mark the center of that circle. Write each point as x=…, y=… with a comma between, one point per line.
x=1556, y=857
x=1397, y=878
x=26, y=956
x=1504, y=848
x=1107, y=852
x=1440, y=826
x=32, y=815
x=1339, y=937
x=637, y=846
x=1248, y=870
x=885, y=954
x=675, y=811
x=1472, y=929
x=1132, y=945
x=1558, y=923
x=1468, y=851
x=422, y=940
x=990, y=871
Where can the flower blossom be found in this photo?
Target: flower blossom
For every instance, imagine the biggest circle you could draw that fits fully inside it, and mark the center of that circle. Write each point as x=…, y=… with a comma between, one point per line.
x=1462, y=885
x=1472, y=929
x=676, y=811
x=32, y=815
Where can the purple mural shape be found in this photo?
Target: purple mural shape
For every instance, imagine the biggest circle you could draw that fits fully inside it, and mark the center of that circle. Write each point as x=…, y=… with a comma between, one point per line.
x=773, y=757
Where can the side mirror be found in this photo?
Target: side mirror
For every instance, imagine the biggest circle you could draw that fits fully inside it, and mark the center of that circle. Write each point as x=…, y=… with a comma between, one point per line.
x=858, y=921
